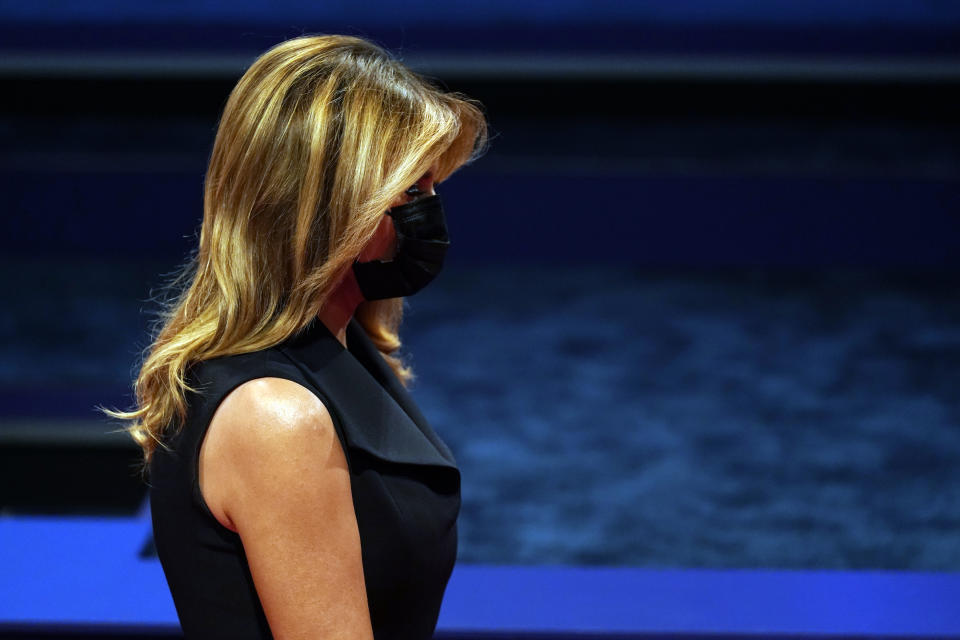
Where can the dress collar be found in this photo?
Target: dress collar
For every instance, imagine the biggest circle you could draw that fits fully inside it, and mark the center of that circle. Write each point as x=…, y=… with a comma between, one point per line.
x=384, y=419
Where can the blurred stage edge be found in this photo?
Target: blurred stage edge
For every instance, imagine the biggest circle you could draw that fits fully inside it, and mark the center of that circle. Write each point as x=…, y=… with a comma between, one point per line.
x=83, y=576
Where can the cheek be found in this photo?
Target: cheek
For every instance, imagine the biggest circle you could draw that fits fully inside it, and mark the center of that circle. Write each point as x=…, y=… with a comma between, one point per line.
x=389, y=234
x=383, y=244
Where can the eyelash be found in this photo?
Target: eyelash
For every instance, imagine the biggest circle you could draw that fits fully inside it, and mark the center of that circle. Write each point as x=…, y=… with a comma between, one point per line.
x=414, y=190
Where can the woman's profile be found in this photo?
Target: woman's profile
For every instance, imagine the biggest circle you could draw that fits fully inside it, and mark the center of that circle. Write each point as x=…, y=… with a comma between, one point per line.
x=296, y=490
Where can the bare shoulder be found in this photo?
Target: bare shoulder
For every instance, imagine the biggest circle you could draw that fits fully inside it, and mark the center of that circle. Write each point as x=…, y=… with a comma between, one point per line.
x=265, y=426
x=276, y=474
x=260, y=411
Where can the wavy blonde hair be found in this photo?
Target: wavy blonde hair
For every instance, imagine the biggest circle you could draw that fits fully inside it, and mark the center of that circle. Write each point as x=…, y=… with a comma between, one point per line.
x=317, y=139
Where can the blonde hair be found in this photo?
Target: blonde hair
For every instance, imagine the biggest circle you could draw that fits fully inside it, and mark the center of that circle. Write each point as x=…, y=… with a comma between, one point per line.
x=316, y=140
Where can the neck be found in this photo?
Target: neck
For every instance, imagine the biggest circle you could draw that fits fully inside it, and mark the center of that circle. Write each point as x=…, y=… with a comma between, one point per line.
x=340, y=307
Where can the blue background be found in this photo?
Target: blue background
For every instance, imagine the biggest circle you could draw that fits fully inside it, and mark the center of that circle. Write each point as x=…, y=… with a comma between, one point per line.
x=700, y=314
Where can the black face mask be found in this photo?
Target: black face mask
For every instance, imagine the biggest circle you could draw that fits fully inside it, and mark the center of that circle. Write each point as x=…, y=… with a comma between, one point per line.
x=422, y=243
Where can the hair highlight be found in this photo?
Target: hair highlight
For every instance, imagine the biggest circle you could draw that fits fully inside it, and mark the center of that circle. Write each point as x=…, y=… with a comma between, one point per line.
x=315, y=141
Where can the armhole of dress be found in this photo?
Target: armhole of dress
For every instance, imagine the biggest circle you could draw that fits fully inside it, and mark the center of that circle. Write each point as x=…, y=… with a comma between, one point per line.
x=211, y=410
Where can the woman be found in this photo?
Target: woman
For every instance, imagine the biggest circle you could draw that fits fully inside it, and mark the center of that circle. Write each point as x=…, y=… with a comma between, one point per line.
x=296, y=490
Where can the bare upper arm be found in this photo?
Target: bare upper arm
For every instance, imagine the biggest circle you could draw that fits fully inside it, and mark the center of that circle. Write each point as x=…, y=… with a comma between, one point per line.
x=272, y=469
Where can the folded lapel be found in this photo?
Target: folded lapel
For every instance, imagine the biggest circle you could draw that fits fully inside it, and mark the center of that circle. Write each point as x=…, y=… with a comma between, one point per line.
x=376, y=419
x=371, y=359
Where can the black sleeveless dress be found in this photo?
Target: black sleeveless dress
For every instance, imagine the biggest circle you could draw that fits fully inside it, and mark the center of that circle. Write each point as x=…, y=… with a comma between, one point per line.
x=405, y=483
